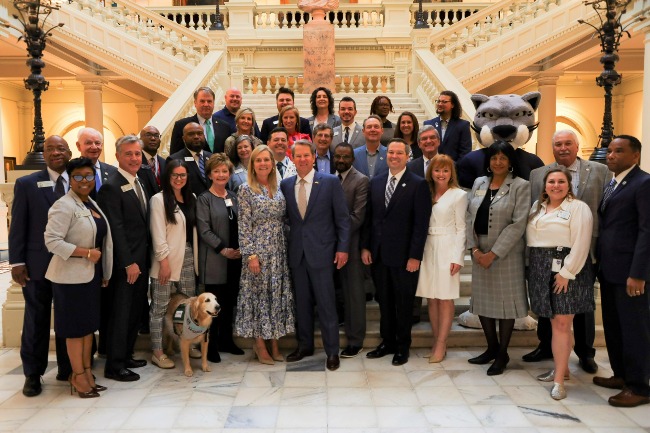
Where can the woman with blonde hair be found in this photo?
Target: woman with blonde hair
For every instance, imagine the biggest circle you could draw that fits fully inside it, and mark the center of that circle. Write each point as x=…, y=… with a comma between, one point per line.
x=265, y=306
x=245, y=123
x=444, y=251
x=289, y=119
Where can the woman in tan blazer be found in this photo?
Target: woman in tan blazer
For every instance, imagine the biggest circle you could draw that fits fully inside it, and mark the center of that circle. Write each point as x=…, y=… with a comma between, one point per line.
x=78, y=235
x=174, y=252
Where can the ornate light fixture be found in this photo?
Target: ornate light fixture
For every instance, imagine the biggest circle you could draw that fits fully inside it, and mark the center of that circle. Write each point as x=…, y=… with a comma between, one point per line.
x=419, y=18
x=610, y=32
x=32, y=16
x=217, y=24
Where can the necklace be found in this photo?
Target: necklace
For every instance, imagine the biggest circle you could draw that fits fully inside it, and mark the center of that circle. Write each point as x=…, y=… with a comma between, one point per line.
x=493, y=193
x=219, y=195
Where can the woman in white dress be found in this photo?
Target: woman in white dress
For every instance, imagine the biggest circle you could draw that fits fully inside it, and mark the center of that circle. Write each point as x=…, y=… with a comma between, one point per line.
x=444, y=251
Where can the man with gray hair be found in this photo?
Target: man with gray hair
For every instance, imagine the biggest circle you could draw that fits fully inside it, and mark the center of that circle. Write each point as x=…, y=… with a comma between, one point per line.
x=90, y=144
x=428, y=142
x=125, y=203
x=589, y=180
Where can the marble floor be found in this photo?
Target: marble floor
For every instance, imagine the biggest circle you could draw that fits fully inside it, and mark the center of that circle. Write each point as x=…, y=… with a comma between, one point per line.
x=240, y=395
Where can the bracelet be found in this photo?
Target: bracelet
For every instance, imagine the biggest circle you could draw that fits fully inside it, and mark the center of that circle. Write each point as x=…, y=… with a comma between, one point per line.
x=88, y=256
x=474, y=250
x=252, y=257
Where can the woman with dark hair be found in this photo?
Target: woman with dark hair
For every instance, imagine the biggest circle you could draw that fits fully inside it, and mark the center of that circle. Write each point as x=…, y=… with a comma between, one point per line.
x=382, y=107
x=560, y=280
x=245, y=123
x=444, y=251
x=78, y=236
x=174, y=249
x=219, y=257
x=496, y=222
x=322, y=108
x=240, y=155
x=407, y=129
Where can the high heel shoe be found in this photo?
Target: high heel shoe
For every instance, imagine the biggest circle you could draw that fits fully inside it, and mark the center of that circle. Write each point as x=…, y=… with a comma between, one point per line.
x=262, y=360
x=276, y=355
x=499, y=366
x=73, y=386
x=550, y=375
x=97, y=387
x=435, y=360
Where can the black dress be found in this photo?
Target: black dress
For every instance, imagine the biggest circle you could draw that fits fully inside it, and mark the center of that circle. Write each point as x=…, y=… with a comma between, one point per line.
x=77, y=306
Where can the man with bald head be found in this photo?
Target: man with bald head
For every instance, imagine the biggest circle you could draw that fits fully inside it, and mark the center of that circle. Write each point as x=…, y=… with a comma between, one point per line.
x=233, y=101
x=34, y=194
x=196, y=157
x=90, y=144
x=150, y=137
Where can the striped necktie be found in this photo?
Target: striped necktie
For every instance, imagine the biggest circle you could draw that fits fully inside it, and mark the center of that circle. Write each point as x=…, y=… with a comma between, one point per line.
x=608, y=192
x=390, y=189
x=201, y=163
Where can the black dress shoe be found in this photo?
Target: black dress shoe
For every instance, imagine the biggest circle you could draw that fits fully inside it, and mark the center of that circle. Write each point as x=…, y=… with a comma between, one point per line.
x=333, y=362
x=351, y=351
x=400, y=358
x=484, y=358
x=381, y=351
x=121, y=375
x=588, y=364
x=537, y=355
x=298, y=354
x=135, y=363
x=32, y=386
x=369, y=297
x=499, y=365
x=214, y=357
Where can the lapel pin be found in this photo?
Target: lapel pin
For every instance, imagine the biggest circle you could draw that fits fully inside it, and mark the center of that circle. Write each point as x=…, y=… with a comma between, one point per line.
x=315, y=183
x=624, y=182
x=403, y=184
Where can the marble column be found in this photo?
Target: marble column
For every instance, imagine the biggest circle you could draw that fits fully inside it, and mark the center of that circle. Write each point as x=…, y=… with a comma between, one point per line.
x=645, y=128
x=93, y=109
x=546, y=113
x=143, y=109
x=318, y=53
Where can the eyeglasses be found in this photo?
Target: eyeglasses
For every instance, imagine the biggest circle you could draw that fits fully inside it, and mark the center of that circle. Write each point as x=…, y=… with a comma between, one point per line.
x=88, y=177
x=440, y=101
x=179, y=175
x=151, y=135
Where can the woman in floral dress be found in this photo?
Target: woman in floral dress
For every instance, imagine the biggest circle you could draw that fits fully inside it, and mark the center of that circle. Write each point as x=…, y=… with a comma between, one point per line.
x=265, y=307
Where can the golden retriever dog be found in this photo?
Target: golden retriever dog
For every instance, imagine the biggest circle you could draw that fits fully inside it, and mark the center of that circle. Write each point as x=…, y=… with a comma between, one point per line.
x=187, y=321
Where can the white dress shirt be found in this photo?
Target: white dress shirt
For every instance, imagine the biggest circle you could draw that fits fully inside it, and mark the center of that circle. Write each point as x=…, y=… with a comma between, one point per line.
x=309, y=181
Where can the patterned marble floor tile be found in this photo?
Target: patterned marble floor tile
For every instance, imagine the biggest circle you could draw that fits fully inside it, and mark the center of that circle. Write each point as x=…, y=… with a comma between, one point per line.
x=500, y=416
x=201, y=417
x=349, y=397
x=429, y=378
x=441, y=395
x=602, y=415
x=394, y=396
x=351, y=417
x=471, y=378
x=258, y=397
x=302, y=417
x=490, y=394
x=348, y=379
x=550, y=415
x=304, y=397
x=398, y=417
x=388, y=379
x=152, y=417
x=451, y=416
x=248, y=417
x=100, y=418
x=45, y=419
x=310, y=379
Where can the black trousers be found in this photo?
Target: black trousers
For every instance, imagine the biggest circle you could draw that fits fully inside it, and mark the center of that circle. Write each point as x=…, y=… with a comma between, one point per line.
x=35, y=339
x=221, y=328
x=395, y=293
x=626, y=322
x=584, y=333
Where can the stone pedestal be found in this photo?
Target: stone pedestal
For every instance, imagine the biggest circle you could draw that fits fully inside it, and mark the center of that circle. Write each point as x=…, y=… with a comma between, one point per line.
x=318, y=52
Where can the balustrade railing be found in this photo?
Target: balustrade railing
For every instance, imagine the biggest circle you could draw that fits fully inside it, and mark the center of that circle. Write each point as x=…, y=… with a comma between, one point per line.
x=446, y=14
x=371, y=81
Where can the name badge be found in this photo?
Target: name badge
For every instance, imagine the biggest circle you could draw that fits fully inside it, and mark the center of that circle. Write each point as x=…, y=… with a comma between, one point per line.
x=564, y=214
x=189, y=159
x=82, y=213
x=45, y=184
x=239, y=170
x=336, y=133
x=228, y=202
x=127, y=187
x=480, y=192
x=275, y=122
x=556, y=265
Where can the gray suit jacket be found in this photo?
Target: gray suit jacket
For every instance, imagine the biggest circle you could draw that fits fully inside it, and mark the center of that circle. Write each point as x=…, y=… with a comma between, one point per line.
x=357, y=139
x=508, y=214
x=70, y=225
x=594, y=177
x=355, y=188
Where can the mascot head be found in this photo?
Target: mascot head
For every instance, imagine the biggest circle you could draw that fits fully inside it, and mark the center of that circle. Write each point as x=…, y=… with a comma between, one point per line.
x=508, y=118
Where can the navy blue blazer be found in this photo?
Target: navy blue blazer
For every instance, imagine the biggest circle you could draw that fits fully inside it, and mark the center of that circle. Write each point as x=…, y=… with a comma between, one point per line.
x=624, y=230
x=470, y=167
x=417, y=166
x=28, y=221
x=198, y=183
x=458, y=139
x=219, y=127
x=398, y=232
x=361, y=161
x=326, y=227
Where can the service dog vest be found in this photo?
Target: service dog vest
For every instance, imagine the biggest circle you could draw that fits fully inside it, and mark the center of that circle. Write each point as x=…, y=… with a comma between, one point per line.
x=190, y=329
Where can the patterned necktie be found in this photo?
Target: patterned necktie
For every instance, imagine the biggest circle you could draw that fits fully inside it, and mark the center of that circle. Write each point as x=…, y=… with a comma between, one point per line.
x=347, y=134
x=608, y=192
x=390, y=189
x=280, y=169
x=209, y=135
x=140, y=193
x=426, y=166
x=302, y=198
x=59, y=188
x=98, y=179
x=201, y=165
x=340, y=178
x=152, y=165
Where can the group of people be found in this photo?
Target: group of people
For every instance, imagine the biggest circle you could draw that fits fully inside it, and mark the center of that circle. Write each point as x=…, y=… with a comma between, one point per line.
x=278, y=222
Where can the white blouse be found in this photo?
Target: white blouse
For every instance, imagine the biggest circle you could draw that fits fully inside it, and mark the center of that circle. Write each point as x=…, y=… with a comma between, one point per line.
x=568, y=225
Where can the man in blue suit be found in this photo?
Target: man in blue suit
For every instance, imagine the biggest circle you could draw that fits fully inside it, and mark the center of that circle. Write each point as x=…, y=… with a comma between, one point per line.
x=623, y=251
x=318, y=239
x=33, y=196
x=370, y=159
x=397, y=220
x=454, y=131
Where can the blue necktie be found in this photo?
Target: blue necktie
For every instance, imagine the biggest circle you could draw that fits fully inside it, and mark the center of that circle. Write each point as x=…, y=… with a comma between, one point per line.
x=201, y=164
x=608, y=192
x=98, y=179
x=390, y=189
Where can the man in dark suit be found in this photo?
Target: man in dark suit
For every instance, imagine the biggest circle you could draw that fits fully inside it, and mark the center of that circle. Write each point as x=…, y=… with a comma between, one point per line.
x=284, y=98
x=348, y=131
x=233, y=101
x=150, y=137
x=324, y=151
x=454, y=131
x=196, y=157
x=125, y=203
x=589, y=179
x=355, y=189
x=319, y=239
x=90, y=144
x=370, y=159
x=34, y=194
x=397, y=219
x=215, y=131
x=623, y=251
x=428, y=142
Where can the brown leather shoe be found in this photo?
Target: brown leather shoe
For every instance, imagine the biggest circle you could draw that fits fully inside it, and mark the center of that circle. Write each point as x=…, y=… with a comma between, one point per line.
x=627, y=398
x=609, y=382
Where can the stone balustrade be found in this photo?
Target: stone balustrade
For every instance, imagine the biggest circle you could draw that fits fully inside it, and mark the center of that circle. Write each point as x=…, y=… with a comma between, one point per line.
x=439, y=15
x=371, y=81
